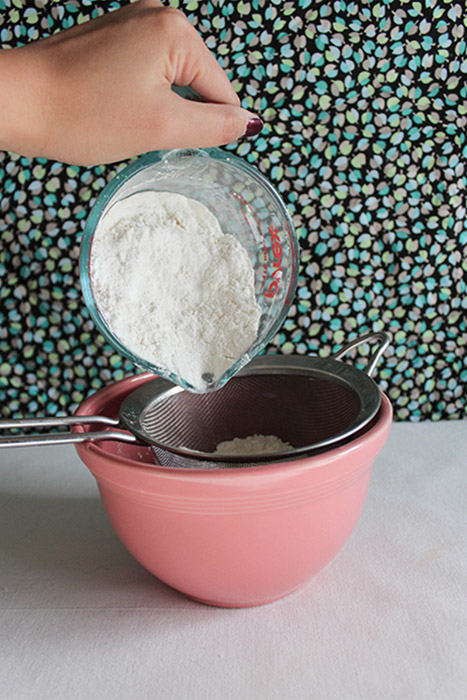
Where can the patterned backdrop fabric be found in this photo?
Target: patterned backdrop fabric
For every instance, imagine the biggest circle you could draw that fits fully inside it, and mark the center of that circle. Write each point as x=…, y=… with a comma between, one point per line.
x=365, y=110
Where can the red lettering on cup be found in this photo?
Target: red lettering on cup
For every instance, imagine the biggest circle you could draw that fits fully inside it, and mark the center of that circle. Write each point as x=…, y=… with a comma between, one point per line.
x=277, y=262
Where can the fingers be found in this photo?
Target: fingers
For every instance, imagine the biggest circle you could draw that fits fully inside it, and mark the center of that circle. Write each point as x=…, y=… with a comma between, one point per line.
x=201, y=125
x=211, y=82
x=192, y=64
x=220, y=119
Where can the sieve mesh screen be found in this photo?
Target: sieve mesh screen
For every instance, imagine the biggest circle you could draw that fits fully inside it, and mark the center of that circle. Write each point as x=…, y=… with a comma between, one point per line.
x=302, y=411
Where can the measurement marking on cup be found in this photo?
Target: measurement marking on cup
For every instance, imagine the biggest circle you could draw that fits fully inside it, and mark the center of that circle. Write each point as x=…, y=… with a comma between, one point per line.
x=277, y=262
x=265, y=263
x=252, y=253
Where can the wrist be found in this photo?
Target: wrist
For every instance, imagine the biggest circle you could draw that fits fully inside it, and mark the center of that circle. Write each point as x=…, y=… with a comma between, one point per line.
x=21, y=102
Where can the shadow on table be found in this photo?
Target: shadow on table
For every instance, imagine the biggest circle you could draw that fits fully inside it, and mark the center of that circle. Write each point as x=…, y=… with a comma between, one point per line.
x=63, y=553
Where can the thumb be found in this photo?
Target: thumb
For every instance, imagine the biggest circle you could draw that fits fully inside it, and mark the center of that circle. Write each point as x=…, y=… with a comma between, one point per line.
x=202, y=124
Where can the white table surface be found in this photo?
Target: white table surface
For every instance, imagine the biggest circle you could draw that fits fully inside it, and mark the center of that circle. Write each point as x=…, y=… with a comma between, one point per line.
x=387, y=618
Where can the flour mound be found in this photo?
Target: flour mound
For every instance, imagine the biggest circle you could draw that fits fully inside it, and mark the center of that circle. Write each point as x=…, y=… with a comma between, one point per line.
x=173, y=287
x=252, y=445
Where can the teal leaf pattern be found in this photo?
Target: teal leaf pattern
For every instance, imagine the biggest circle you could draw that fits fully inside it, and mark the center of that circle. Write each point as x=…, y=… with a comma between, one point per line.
x=365, y=111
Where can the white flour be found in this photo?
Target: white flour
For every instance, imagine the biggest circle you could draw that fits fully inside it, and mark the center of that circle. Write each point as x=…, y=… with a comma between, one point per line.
x=251, y=445
x=173, y=287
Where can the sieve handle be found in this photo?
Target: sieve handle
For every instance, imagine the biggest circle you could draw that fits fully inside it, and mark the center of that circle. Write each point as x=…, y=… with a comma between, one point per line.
x=381, y=337
x=60, y=438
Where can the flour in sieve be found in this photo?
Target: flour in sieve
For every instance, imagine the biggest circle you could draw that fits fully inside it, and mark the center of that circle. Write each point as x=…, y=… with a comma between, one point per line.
x=173, y=287
x=252, y=445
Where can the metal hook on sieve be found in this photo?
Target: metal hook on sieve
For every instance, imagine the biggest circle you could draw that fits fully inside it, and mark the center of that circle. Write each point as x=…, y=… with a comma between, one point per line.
x=381, y=336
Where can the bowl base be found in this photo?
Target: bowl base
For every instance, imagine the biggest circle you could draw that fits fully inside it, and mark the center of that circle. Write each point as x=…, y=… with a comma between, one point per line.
x=236, y=605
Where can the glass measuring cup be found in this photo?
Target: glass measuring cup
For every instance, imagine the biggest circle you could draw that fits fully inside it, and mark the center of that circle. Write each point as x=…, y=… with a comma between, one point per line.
x=245, y=204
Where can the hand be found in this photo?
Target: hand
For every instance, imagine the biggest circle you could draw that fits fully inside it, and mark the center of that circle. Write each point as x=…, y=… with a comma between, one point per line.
x=101, y=92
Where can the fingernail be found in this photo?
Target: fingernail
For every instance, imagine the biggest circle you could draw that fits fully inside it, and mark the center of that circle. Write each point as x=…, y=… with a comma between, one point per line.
x=253, y=126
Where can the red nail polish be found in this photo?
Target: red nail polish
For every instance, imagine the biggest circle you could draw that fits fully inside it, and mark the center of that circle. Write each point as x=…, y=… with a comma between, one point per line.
x=253, y=127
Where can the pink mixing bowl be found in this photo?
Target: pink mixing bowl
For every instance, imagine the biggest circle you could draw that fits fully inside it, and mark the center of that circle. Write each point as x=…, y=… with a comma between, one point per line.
x=234, y=537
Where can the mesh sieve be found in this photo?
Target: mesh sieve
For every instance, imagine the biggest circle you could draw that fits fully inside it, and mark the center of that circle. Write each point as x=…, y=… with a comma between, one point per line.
x=301, y=411
x=310, y=403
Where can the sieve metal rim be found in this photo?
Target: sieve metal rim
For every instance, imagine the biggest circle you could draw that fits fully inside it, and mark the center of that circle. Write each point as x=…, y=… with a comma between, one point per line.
x=143, y=399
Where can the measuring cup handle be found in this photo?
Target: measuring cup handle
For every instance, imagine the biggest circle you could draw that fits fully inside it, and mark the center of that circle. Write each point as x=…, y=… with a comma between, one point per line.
x=381, y=337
